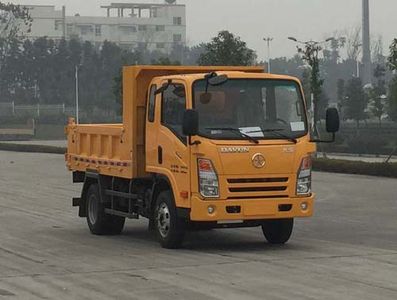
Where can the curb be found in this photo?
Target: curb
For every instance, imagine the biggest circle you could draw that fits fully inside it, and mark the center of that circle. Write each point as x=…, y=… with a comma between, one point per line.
x=32, y=148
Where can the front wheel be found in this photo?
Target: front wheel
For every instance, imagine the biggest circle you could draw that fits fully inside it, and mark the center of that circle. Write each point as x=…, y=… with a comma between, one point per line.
x=169, y=227
x=278, y=231
x=98, y=221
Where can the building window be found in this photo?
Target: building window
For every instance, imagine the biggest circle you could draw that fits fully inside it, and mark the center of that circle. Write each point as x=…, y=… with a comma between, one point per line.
x=177, y=38
x=142, y=27
x=127, y=47
x=160, y=28
x=86, y=29
x=145, y=13
x=128, y=30
x=177, y=20
x=142, y=45
x=69, y=29
x=160, y=45
x=98, y=30
x=58, y=25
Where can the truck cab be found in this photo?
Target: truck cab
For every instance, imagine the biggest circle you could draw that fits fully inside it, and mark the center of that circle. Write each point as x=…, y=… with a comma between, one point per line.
x=221, y=148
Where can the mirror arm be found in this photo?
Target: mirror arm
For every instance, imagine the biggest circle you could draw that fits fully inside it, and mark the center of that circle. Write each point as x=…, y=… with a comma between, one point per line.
x=207, y=78
x=323, y=141
x=164, y=87
x=192, y=143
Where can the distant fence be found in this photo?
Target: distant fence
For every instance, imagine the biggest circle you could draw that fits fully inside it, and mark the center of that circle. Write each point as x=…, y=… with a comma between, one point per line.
x=54, y=114
x=31, y=111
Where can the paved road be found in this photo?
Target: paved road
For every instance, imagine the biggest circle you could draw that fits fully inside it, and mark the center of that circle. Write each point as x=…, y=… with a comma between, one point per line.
x=347, y=251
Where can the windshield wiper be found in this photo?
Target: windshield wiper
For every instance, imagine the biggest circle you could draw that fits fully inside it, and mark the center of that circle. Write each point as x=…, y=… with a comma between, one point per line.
x=278, y=133
x=235, y=130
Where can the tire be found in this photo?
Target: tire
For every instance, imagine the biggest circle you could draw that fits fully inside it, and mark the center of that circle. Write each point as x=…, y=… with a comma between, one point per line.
x=170, y=229
x=152, y=224
x=98, y=221
x=278, y=231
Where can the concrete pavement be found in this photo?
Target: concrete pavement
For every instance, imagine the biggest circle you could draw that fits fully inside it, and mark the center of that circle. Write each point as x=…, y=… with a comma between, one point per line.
x=347, y=251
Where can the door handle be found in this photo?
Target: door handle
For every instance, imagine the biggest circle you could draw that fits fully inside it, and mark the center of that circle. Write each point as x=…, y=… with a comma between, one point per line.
x=160, y=155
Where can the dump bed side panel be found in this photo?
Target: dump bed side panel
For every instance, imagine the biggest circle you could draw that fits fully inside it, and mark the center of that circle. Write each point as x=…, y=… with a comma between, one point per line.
x=100, y=148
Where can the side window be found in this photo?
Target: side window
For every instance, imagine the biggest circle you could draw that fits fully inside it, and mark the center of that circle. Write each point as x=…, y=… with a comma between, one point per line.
x=152, y=103
x=173, y=107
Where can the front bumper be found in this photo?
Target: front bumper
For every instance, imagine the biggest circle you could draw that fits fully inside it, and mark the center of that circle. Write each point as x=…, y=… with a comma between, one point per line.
x=250, y=209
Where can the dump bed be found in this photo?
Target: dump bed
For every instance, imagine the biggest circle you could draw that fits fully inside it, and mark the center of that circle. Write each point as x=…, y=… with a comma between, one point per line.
x=119, y=149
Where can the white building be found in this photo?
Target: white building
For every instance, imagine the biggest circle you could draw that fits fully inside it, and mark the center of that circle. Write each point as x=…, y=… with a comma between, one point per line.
x=130, y=25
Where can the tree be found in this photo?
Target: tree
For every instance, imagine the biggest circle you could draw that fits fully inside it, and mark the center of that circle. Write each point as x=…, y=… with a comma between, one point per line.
x=377, y=93
x=392, y=61
x=340, y=91
x=165, y=61
x=330, y=65
x=226, y=49
x=393, y=55
x=12, y=18
x=355, y=100
x=127, y=58
x=192, y=54
x=310, y=54
x=353, y=42
x=392, y=97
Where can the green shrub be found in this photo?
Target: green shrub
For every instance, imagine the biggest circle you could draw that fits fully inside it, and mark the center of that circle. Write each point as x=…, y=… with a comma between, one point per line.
x=355, y=167
x=363, y=144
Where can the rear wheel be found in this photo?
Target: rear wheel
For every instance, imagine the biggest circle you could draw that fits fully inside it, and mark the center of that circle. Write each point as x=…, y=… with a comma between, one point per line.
x=278, y=231
x=98, y=221
x=169, y=228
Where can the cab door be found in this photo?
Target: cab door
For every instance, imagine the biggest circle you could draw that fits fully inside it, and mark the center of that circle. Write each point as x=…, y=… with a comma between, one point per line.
x=152, y=127
x=173, y=152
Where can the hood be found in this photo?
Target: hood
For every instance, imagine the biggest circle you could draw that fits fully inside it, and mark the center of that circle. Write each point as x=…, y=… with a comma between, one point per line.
x=257, y=159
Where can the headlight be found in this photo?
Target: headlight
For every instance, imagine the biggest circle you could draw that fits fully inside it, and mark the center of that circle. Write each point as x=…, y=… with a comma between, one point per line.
x=304, y=181
x=208, y=179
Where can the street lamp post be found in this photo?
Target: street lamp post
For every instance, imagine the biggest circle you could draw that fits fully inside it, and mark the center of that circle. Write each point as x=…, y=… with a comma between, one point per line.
x=268, y=40
x=357, y=46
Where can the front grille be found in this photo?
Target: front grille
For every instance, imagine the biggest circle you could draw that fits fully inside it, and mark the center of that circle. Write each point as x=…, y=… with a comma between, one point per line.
x=256, y=180
x=257, y=188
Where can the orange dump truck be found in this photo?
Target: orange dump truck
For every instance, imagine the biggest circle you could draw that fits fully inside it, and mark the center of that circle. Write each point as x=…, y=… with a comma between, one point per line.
x=199, y=147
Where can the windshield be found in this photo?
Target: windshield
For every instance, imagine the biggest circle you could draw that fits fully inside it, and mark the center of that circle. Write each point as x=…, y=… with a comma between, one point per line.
x=260, y=108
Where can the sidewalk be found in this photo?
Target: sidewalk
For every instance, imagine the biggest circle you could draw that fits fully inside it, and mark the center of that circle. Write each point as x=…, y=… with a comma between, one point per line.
x=355, y=157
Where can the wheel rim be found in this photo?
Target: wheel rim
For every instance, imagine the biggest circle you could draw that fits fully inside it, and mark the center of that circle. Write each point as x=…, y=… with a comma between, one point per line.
x=163, y=220
x=92, y=209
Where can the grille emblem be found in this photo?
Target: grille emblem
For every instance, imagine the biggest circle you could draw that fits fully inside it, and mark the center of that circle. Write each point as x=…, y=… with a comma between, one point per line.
x=258, y=160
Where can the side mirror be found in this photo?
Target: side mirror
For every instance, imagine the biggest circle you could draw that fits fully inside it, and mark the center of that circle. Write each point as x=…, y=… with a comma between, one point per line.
x=332, y=125
x=332, y=120
x=190, y=125
x=205, y=98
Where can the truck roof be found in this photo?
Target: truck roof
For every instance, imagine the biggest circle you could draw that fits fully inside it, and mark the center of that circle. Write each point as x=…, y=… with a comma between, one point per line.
x=233, y=74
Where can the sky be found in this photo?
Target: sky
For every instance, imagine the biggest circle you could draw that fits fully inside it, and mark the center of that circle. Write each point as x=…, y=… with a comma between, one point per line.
x=253, y=20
